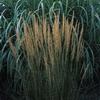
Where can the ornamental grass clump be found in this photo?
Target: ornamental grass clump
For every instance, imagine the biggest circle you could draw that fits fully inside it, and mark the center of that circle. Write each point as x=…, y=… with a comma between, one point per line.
x=49, y=59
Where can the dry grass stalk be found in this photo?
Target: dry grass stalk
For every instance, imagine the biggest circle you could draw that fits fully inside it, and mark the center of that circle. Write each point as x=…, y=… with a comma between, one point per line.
x=80, y=45
x=28, y=43
x=13, y=48
x=56, y=33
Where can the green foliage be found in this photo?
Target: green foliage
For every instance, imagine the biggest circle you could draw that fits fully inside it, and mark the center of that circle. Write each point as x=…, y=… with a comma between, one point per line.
x=24, y=71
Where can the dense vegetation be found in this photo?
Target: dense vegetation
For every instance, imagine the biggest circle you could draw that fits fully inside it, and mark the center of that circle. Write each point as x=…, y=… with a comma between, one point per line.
x=49, y=49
